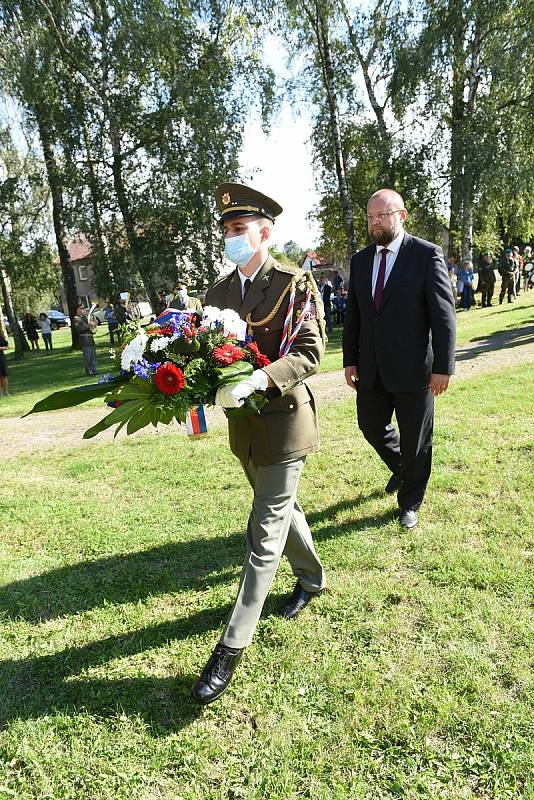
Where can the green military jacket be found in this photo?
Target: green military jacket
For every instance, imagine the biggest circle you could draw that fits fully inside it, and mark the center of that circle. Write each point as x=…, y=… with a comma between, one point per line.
x=287, y=427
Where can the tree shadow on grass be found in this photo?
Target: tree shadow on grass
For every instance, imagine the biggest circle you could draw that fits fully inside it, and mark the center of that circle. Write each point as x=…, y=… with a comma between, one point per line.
x=36, y=687
x=500, y=340
x=50, y=684
x=198, y=564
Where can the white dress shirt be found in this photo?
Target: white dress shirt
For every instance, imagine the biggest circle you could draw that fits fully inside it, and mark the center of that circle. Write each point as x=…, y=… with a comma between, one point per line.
x=244, y=278
x=393, y=251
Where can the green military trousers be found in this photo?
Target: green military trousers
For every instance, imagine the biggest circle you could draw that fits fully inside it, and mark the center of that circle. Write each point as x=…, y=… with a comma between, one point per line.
x=276, y=526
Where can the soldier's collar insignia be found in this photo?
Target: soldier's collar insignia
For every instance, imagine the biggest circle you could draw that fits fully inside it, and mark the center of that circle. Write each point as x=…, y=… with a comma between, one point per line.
x=225, y=198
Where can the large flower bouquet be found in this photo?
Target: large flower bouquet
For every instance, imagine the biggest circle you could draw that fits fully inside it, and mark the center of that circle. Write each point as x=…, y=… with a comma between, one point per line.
x=169, y=367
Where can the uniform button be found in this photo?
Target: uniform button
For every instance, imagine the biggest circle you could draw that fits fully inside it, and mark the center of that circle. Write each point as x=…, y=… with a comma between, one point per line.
x=266, y=330
x=291, y=406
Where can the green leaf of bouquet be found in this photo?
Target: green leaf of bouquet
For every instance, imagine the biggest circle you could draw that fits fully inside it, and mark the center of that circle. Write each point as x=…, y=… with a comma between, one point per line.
x=67, y=398
x=166, y=415
x=120, y=414
x=139, y=420
x=181, y=346
x=180, y=416
x=239, y=369
x=155, y=414
x=133, y=391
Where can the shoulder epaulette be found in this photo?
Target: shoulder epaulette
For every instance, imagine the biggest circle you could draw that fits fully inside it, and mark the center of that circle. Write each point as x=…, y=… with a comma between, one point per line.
x=222, y=279
x=288, y=268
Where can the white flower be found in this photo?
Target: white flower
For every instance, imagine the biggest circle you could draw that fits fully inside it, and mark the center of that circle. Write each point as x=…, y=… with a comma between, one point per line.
x=211, y=315
x=234, y=325
x=160, y=343
x=230, y=319
x=134, y=351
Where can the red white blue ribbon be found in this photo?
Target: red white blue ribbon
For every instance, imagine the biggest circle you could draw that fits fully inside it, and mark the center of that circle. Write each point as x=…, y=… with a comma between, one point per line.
x=195, y=422
x=287, y=341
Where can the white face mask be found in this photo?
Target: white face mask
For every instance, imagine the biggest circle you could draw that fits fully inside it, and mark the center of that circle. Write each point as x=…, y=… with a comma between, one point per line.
x=182, y=294
x=238, y=249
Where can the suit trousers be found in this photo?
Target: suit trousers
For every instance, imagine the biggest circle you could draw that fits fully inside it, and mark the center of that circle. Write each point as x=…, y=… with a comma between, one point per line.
x=408, y=452
x=276, y=526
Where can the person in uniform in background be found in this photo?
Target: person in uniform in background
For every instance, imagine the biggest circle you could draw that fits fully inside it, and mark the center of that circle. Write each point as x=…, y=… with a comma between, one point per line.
x=183, y=302
x=325, y=287
x=161, y=303
x=272, y=446
x=507, y=269
x=486, y=279
x=398, y=346
x=4, y=371
x=85, y=328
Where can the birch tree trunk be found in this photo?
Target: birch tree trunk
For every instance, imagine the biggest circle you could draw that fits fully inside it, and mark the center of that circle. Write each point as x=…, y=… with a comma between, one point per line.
x=56, y=191
x=320, y=27
x=21, y=345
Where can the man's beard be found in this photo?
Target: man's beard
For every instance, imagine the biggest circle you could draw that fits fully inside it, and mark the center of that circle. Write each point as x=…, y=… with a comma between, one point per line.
x=382, y=238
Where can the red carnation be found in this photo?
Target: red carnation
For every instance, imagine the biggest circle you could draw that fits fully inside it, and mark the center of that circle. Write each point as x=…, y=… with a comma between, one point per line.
x=261, y=360
x=227, y=353
x=169, y=379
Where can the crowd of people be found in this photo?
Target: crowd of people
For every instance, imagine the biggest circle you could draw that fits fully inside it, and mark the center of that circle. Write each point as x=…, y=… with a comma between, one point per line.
x=334, y=297
x=516, y=271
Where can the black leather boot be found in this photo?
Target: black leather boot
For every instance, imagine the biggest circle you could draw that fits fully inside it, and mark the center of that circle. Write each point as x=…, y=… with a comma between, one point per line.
x=217, y=674
x=297, y=600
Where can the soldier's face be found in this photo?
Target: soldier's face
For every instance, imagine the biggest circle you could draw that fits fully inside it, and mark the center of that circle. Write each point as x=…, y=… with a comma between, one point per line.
x=251, y=226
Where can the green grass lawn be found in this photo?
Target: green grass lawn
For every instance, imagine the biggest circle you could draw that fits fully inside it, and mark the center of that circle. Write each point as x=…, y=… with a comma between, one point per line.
x=412, y=677
x=39, y=374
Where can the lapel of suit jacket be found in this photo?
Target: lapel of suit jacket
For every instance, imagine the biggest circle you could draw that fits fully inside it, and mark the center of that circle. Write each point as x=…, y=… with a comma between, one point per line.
x=396, y=272
x=233, y=292
x=260, y=284
x=367, y=273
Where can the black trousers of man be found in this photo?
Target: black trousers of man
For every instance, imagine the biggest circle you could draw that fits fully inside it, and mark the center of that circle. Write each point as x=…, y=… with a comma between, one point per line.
x=408, y=451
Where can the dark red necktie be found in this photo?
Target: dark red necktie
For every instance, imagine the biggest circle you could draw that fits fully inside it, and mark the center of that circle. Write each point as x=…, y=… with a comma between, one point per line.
x=379, y=288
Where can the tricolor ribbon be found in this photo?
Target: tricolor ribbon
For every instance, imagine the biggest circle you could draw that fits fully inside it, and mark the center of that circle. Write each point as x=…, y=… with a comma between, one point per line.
x=195, y=422
x=169, y=314
x=286, y=343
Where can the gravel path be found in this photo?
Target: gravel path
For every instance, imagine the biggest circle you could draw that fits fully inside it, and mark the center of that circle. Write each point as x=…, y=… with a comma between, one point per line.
x=64, y=429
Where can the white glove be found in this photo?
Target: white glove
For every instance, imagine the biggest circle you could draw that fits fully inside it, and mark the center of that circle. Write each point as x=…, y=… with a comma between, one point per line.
x=233, y=395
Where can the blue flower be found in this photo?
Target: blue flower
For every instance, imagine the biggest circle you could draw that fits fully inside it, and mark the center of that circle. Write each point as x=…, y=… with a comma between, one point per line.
x=109, y=378
x=145, y=369
x=141, y=371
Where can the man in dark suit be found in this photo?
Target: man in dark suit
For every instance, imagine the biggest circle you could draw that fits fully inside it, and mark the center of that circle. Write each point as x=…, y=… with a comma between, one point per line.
x=398, y=346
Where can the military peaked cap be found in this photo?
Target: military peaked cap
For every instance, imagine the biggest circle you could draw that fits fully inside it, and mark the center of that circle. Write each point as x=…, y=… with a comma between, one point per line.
x=237, y=200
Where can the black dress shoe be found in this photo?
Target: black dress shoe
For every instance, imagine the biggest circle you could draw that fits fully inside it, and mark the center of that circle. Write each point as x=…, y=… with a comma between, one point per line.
x=297, y=600
x=216, y=675
x=393, y=485
x=408, y=518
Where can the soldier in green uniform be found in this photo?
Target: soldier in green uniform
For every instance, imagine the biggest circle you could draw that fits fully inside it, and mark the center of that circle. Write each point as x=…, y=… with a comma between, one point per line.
x=272, y=446
x=507, y=269
x=486, y=279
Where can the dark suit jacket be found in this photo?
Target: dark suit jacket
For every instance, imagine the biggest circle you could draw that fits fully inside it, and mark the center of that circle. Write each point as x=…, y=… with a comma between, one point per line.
x=413, y=333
